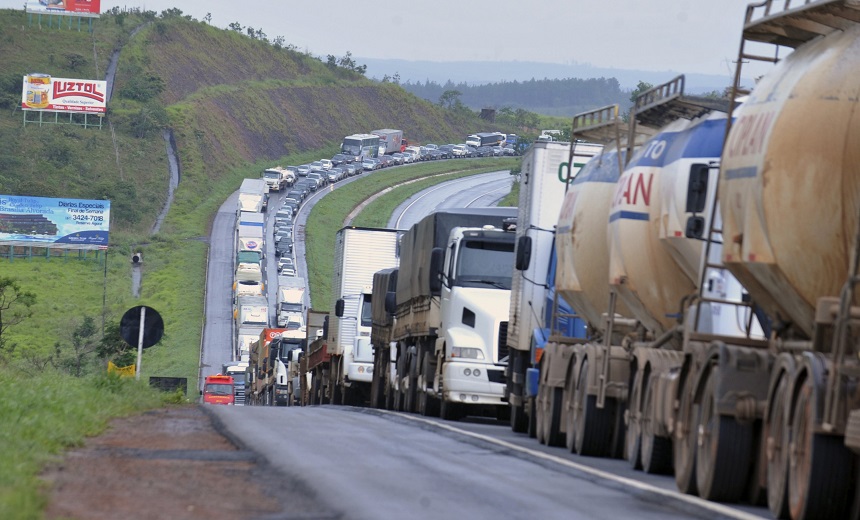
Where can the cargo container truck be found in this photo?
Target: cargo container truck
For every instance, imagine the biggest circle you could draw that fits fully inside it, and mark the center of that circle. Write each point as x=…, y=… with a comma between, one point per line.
x=316, y=334
x=260, y=376
x=382, y=314
x=291, y=299
x=250, y=232
x=542, y=184
x=250, y=313
x=341, y=365
x=287, y=348
x=245, y=336
x=452, y=301
x=390, y=140
x=236, y=369
x=253, y=196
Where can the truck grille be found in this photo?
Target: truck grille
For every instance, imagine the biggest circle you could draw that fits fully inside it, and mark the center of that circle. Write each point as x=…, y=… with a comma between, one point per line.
x=502, y=347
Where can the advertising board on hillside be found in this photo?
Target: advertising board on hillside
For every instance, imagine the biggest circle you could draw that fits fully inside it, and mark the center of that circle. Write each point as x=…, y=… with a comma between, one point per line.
x=43, y=92
x=88, y=8
x=43, y=221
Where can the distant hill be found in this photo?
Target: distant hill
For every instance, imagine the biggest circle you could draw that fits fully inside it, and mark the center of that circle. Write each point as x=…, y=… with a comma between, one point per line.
x=483, y=72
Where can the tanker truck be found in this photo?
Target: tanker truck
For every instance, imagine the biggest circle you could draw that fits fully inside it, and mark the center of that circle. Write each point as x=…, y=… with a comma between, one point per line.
x=598, y=395
x=452, y=302
x=542, y=186
x=789, y=187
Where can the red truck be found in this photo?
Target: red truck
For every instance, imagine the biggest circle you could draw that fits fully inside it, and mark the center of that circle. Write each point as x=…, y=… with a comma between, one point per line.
x=218, y=389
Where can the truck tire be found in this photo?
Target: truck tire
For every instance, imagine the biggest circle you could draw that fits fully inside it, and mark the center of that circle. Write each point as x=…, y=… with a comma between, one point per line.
x=656, y=451
x=724, y=450
x=450, y=411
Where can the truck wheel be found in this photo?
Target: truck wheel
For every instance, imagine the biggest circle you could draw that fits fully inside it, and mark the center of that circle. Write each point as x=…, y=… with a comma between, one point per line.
x=315, y=389
x=409, y=403
x=519, y=419
x=532, y=431
x=777, y=441
x=593, y=425
x=569, y=403
x=632, y=434
x=656, y=450
x=686, y=438
x=429, y=405
x=552, y=417
x=821, y=468
x=724, y=451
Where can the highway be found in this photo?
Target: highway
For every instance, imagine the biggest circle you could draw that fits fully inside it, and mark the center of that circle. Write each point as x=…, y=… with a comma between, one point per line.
x=346, y=462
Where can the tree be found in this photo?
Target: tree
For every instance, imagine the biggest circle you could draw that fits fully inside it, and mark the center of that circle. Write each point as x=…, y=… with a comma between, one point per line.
x=641, y=87
x=74, y=60
x=208, y=18
x=113, y=347
x=450, y=98
x=235, y=26
x=85, y=341
x=15, y=304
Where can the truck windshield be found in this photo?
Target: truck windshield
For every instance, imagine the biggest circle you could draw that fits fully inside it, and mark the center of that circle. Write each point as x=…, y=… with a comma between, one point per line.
x=273, y=175
x=291, y=307
x=485, y=263
x=218, y=389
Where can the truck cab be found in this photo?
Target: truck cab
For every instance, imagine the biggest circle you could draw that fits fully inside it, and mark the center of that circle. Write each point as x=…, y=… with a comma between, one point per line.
x=474, y=282
x=218, y=389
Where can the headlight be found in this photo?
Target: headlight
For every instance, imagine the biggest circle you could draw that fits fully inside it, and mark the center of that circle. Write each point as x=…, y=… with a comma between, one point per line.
x=467, y=353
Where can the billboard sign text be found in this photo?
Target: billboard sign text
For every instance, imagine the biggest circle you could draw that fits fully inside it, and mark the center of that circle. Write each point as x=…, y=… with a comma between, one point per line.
x=74, y=222
x=89, y=8
x=43, y=92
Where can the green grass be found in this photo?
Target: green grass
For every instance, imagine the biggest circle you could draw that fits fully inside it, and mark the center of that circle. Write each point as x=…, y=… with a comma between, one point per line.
x=45, y=414
x=328, y=214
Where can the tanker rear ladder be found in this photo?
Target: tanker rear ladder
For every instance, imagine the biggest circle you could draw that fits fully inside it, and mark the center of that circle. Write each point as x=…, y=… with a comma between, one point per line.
x=662, y=104
x=846, y=319
x=787, y=23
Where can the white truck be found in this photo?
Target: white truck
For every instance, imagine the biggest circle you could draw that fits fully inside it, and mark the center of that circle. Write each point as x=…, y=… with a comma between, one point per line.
x=253, y=196
x=291, y=301
x=543, y=179
x=451, y=304
x=341, y=365
x=278, y=178
x=390, y=140
x=251, y=311
x=250, y=231
x=245, y=337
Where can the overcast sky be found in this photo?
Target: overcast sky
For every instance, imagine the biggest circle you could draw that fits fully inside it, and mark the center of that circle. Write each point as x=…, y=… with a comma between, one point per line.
x=682, y=35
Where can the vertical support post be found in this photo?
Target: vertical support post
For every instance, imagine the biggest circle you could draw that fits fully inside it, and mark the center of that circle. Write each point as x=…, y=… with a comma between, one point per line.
x=140, y=342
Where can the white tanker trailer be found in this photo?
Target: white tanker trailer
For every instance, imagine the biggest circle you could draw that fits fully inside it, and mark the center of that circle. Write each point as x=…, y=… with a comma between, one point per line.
x=790, y=191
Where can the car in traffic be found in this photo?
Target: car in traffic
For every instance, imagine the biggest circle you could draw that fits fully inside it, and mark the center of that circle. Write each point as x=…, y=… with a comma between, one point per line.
x=284, y=247
x=484, y=151
x=385, y=161
x=334, y=175
x=317, y=166
x=371, y=163
x=327, y=164
x=285, y=262
x=319, y=177
x=303, y=170
x=339, y=159
x=350, y=169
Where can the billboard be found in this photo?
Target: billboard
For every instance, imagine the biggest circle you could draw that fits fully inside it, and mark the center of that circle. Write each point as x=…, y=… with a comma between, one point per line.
x=44, y=221
x=42, y=92
x=89, y=8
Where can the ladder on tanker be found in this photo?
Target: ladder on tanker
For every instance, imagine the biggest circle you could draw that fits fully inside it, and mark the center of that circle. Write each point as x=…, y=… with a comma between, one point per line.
x=780, y=23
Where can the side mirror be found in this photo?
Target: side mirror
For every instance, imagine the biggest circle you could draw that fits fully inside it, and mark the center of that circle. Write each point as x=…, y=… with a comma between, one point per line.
x=437, y=259
x=524, y=253
x=338, y=308
x=697, y=188
x=390, y=303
